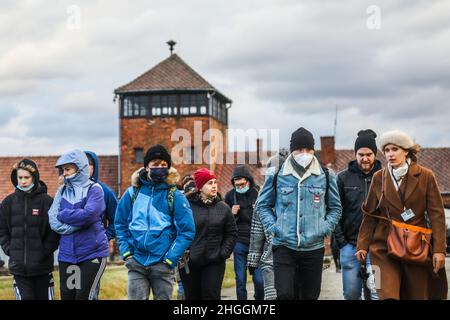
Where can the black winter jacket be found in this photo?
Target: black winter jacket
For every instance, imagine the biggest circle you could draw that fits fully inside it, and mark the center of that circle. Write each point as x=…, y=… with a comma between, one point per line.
x=25, y=234
x=215, y=231
x=353, y=187
x=246, y=202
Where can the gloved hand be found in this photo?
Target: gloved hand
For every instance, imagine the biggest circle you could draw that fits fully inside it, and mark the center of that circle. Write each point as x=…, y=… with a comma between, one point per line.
x=251, y=270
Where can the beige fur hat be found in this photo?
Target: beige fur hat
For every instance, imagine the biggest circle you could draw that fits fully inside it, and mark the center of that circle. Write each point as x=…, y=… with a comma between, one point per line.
x=397, y=137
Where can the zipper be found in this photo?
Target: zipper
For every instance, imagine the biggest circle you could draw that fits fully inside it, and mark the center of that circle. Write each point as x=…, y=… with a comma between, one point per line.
x=365, y=188
x=25, y=235
x=149, y=218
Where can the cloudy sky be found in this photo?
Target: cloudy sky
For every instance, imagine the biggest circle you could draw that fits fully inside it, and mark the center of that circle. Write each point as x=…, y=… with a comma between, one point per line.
x=284, y=63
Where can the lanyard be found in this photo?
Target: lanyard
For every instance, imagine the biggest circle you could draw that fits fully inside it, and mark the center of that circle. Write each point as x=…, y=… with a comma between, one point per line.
x=402, y=195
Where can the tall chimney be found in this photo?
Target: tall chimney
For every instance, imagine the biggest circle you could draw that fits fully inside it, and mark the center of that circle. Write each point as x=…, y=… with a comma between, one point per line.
x=328, y=152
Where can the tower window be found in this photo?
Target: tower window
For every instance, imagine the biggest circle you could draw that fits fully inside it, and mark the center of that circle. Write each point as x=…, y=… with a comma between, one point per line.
x=156, y=112
x=127, y=107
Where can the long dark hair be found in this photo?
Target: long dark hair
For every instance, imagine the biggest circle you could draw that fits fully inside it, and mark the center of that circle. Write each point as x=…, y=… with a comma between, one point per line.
x=412, y=152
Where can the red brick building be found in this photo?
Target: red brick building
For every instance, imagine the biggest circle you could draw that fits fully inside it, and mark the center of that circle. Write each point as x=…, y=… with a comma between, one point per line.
x=168, y=101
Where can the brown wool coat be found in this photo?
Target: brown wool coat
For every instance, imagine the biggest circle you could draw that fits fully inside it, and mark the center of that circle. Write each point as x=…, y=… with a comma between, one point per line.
x=401, y=280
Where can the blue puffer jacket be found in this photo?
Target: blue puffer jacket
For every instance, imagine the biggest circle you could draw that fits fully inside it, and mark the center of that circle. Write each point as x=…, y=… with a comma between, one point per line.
x=110, y=198
x=76, y=214
x=301, y=219
x=147, y=229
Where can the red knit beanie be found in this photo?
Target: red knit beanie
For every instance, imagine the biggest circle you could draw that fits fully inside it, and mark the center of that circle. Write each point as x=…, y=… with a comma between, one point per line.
x=202, y=176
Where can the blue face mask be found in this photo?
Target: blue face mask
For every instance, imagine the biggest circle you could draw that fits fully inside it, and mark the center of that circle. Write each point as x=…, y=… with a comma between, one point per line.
x=242, y=190
x=159, y=174
x=25, y=189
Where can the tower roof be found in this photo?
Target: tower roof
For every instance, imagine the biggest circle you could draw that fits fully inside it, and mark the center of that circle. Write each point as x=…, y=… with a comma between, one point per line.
x=171, y=74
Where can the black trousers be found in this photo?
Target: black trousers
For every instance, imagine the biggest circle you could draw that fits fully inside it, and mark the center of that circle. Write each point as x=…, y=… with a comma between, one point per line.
x=203, y=283
x=80, y=281
x=34, y=288
x=298, y=274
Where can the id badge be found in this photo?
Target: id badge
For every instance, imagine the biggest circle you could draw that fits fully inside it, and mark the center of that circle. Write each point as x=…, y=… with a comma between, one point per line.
x=407, y=215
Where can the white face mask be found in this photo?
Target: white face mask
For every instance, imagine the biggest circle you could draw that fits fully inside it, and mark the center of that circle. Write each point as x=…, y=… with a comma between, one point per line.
x=304, y=159
x=68, y=178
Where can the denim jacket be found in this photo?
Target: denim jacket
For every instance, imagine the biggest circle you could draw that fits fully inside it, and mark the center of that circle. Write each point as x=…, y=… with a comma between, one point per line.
x=301, y=219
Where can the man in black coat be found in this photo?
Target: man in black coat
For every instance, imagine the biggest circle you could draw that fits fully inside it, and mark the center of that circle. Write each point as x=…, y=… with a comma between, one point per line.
x=353, y=185
x=242, y=200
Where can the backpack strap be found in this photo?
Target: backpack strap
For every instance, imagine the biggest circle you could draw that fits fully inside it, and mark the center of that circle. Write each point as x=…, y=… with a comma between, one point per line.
x=170, y=197
x=326, y=171
x=135, y=195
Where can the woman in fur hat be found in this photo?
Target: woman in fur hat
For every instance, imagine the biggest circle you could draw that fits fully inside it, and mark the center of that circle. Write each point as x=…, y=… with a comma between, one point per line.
x=405, y=192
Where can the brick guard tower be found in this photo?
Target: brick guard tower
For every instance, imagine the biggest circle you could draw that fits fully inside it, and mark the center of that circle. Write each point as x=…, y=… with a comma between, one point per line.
x=171, y=95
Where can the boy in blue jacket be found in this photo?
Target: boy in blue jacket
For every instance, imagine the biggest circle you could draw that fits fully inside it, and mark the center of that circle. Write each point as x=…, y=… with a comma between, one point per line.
x=154, y=226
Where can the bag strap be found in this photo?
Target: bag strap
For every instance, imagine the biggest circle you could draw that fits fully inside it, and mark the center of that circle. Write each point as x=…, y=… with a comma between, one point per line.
x=389, y=219
x=379, y=202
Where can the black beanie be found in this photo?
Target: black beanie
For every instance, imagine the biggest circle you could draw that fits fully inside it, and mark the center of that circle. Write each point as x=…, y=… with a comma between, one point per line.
x=302, y=138
x=366, y=139
x=157, y=152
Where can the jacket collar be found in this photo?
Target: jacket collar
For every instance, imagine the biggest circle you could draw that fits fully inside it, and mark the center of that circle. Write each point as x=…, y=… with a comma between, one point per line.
x=314, y=169
x=137, y=178
x=412, y=180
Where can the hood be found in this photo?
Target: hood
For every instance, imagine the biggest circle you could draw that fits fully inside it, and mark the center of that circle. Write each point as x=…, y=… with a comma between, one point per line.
x=140, y=176
x=28, y=165
x=96, y=165
x=78, y=158
x=242, y=171
x=353, y=167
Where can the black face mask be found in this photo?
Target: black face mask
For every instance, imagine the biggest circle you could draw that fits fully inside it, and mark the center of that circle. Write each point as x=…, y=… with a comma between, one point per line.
x=159, y=174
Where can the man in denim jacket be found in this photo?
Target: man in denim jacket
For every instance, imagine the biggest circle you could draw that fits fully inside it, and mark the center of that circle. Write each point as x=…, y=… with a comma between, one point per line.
x=300, y=208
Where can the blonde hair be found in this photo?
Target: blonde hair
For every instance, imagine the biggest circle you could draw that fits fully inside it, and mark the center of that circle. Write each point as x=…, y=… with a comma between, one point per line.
x=22, y=165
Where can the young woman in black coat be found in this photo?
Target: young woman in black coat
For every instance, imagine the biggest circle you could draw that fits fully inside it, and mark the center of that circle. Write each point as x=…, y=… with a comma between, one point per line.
x=214, y=241
x=25, y=234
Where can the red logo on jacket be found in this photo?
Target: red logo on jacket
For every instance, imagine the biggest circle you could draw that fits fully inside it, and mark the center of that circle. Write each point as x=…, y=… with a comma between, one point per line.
x=35, y=212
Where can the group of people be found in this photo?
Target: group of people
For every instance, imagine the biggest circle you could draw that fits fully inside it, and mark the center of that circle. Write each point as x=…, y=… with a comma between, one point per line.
x=79, y=221
x=165, y=226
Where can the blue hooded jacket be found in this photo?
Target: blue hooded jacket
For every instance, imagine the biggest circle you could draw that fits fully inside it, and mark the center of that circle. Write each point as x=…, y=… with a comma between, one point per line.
x=147, y=229
x=76, y=214
x=110, y=198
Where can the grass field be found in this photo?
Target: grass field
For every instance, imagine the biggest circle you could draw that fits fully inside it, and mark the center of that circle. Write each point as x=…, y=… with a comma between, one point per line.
x=113, y=283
